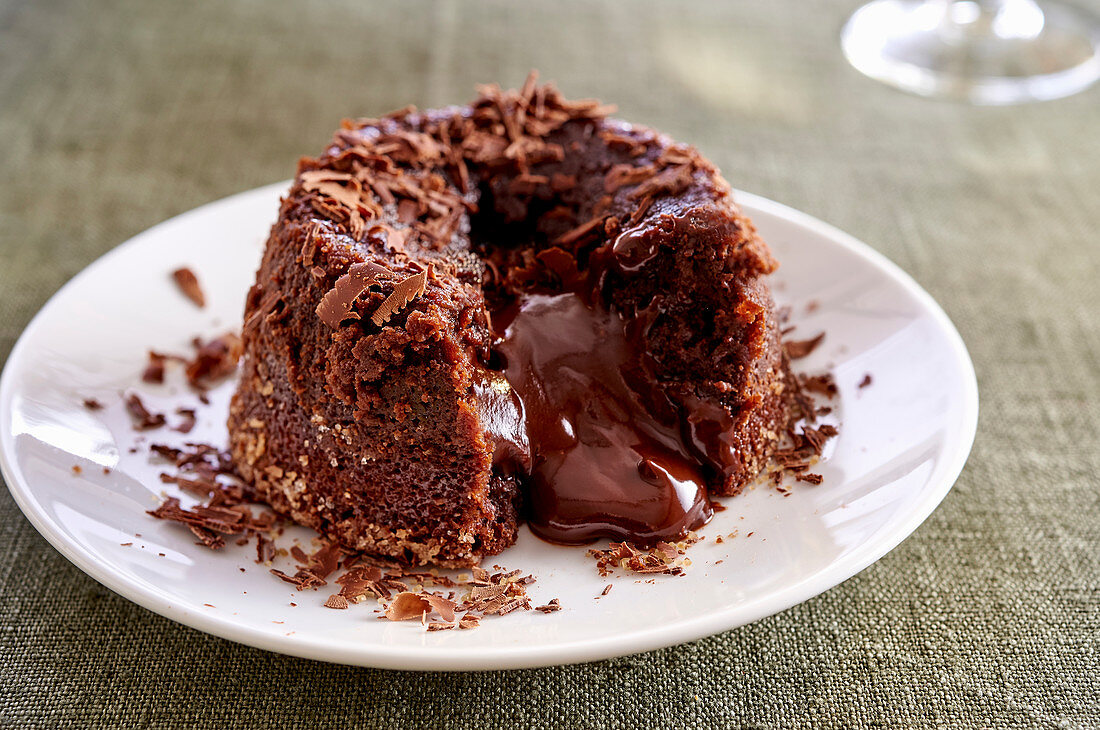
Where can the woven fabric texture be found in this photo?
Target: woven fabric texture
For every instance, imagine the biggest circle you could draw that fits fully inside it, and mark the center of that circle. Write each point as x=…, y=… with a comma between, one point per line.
x=117, y=114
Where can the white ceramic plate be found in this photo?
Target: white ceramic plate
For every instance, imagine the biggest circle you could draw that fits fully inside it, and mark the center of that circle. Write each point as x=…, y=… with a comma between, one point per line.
x=903, y=441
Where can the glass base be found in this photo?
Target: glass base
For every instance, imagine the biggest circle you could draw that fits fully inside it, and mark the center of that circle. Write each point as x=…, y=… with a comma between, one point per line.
x=979, y=51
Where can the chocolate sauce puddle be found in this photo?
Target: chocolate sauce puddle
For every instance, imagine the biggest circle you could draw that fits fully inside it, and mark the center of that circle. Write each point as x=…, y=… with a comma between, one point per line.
x=601, y=463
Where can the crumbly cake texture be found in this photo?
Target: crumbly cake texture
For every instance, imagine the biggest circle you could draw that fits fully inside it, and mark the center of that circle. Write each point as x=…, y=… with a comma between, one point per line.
x=367, y=408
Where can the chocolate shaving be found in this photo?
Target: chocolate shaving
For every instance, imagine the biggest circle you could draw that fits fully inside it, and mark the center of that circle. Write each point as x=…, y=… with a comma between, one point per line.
x=392, y=238
x=639, y=212
x=406, y=290
x=188, y=422
x=865, y=382
x=141, y=418
x=670, y=181
x=326, y=559
x=225, y=512
x=203, y=459
x=265, y=549
x=500, y=593
x=551, y=607
x=313, y=569
x=92, y=404
x=352, y=205
x=336, y=601
x=167, y=452
x=310, y=244
x=189, y=284
x=207, y=537
x=820, y=384
x=801, y=348
x=206, y=522
x=621, y=175
x=214, y=359
x=361, y=581
x=444, y=607
x=328, y=183
x=155, y=368
x=632, y=146
x=669, y=552
x=800, y=450
x=154, y=371
x=407, y=606
x=660, y=559
x=303, y=580
x=579, y=233
x=336, y=305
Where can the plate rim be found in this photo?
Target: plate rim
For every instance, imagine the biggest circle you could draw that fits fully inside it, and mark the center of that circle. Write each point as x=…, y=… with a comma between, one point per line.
x=407, y=657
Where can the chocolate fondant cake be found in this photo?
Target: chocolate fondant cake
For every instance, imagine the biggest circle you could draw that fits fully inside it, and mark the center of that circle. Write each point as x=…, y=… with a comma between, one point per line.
x=516, y=309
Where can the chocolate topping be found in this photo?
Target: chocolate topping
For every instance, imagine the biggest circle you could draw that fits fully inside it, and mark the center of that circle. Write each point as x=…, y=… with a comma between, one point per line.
x=336, y=601
x=660, y=559
x=336, y=305
x=154, y=371
x=214, y=359
x=188, y=422
x=802, y=348
x=209, y=523
x=404, y=292
x=501, y=413
x=603, y=464
x=140, y=416
x=634, y=248
x=189, y=284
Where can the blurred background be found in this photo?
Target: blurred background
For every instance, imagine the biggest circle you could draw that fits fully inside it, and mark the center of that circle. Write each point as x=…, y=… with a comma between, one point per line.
x=117, y=114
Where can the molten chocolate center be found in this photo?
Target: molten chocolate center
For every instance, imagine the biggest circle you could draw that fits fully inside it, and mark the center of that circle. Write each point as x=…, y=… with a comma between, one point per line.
x=602, y=463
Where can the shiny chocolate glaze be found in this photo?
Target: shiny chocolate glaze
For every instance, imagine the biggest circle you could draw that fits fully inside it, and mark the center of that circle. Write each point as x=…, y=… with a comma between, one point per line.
x=605, y=459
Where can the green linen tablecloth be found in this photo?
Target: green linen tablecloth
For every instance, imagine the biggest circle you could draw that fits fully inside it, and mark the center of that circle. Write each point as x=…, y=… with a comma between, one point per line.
x=115, y=115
